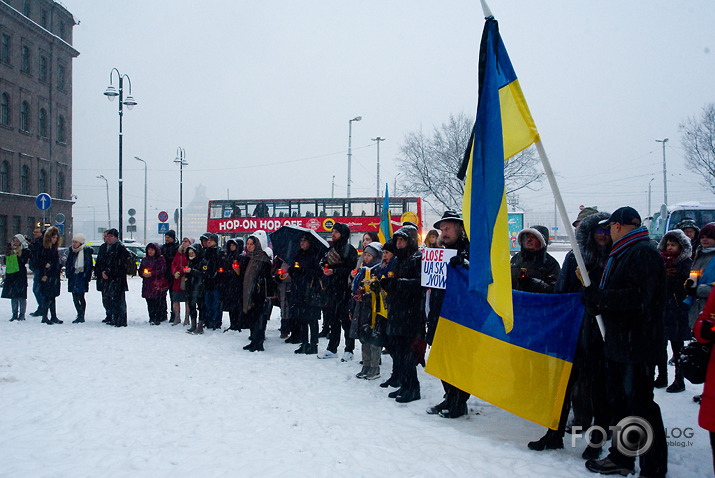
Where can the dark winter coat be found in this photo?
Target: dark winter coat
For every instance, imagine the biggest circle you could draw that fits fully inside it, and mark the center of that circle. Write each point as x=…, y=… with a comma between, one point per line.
x=230, y=279
x=151, y=286
x=342, y=259
x=361, y=326
x=35, y=251
x=632, y=303
x=306, y=288
x=15, y=286
x=112, y=260
x=193, y=283
x=676, y=311
x=168, y=251
x=534, y=271
x=210, y=264
x=405, y=298
x=436, y=296
x=50, y=286
x=260, y=287
x=78, y=282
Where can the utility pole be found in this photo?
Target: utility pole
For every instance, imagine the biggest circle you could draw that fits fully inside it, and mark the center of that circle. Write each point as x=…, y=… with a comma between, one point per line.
x=665, y=178
x=378, y=140
x=332, y=189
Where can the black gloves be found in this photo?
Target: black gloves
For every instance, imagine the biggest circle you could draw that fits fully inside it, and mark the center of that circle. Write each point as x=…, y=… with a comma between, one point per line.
x=706, y=330
x=690, y=286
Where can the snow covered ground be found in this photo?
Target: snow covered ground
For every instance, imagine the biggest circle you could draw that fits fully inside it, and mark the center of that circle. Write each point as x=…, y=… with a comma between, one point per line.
x=93, y=400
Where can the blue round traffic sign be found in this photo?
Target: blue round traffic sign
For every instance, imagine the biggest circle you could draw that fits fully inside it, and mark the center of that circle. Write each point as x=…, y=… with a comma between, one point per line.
x=163, y=216
x=43, y=201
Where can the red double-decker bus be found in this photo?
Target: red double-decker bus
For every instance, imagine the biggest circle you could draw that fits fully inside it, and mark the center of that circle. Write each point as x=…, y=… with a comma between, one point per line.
x=239, y=217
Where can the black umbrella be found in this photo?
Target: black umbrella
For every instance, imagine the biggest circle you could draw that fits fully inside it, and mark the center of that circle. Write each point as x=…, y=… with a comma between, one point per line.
x=286, y=241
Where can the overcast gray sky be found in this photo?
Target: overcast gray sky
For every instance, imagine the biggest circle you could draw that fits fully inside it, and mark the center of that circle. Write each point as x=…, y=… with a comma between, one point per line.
x=259, y=93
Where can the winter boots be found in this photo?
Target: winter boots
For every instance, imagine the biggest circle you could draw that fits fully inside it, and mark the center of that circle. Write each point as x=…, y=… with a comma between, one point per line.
x=78, y=320
x=677, y=386
x=362, y=373
x=393, y=381
x=661, y=381
x=551, y=441
x=373, y=373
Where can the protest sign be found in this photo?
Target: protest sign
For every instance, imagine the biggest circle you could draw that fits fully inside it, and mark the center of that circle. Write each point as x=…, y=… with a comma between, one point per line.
x=434, y=267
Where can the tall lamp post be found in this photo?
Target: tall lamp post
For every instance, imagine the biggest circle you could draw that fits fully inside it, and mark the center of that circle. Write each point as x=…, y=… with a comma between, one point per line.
x=140, y=159
x=378, y=139
x=181, y=160
x=109, y=217
x=129, y=102
x=665, y=179
x=649, y=184
x=350, y=152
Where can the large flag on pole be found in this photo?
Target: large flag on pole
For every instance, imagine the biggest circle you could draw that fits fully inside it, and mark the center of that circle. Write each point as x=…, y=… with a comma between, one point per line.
x=512, y=349
x=385, y=232
x=503, y=128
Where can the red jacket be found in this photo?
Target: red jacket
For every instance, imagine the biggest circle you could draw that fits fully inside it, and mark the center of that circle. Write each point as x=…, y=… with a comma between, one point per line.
x=180, y=261
x=706, y=418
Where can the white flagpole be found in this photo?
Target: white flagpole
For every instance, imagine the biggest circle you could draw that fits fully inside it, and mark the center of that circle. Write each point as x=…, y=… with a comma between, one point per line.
x=567, y=226
x=486, y=10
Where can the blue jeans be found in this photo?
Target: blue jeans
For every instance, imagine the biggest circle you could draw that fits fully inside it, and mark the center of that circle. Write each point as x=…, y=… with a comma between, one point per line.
x=212, y=299
x=36, y=281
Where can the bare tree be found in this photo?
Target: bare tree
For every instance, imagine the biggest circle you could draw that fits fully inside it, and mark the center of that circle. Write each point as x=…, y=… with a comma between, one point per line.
x=429, y=165
x=698, y=140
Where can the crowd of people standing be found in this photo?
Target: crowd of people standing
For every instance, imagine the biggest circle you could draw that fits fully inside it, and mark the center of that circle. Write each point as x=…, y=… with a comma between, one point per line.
x=648, y=294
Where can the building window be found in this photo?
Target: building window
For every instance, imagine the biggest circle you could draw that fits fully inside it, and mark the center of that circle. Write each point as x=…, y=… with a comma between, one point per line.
x=60, y=193
x=5, y=109
x=43, y=68
x=44, y=19
x=25, y=180
x=61, y=129
x=25, y=116
x=5, y=176
x=61, y=77
x=16, y=224
x=42, y=119
x=5, y=48
x=3, y=229
x=43, y=181
x=26, y=8
x=62, y=29
x=25, y=67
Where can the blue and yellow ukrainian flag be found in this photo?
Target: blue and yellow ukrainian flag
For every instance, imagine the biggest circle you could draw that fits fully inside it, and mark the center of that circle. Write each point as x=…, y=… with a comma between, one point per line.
x=512, y=349
x=385, y=232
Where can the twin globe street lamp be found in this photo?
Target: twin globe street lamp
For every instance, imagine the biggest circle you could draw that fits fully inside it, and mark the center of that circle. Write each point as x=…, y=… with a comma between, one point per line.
x=181, y=161
x=129, y=102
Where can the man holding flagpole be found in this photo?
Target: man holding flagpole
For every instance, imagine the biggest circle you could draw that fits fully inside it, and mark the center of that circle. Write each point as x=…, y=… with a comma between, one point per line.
x=631, y=299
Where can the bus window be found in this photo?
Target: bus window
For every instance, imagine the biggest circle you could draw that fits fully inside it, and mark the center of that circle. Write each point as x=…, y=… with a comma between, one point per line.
x=216, y=212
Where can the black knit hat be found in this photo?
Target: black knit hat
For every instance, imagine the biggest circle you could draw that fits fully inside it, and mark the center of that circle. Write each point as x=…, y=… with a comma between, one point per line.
x=708, y=230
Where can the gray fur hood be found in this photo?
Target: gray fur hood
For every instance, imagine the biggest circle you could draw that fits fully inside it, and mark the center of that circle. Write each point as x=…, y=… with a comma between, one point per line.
x=593, y=254
x=686, y=248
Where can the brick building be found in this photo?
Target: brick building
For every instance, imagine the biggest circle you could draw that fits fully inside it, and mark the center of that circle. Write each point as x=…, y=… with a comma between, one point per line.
x=35, y=114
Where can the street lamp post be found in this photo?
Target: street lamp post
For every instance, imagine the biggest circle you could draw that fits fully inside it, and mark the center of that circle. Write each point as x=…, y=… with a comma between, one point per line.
x=181, y=160
x=378, y=139
x=665, y=179
x=350, y=152
x=109, y=217
x=140, y=159
x=129, y=102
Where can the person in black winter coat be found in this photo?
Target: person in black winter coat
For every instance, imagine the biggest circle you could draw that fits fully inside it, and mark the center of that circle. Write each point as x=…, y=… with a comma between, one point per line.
x=306, y=294
x=15, y=285
x=193, y=285
x=586, y=387
x=452, y=236
x=532, y=268
x=79, y=273
x=337, y=264
x=50, y=269
x=111, y=272
x=631, y=300
x=231, y=282
x=405, y=316
x=168, y=252
x=255, y=269
x=210, y=265
x=35, y=250
x=692, y=231
x=676, y=249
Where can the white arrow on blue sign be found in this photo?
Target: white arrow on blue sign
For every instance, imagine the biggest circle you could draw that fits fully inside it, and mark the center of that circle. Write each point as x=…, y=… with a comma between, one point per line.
x=43, y=201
